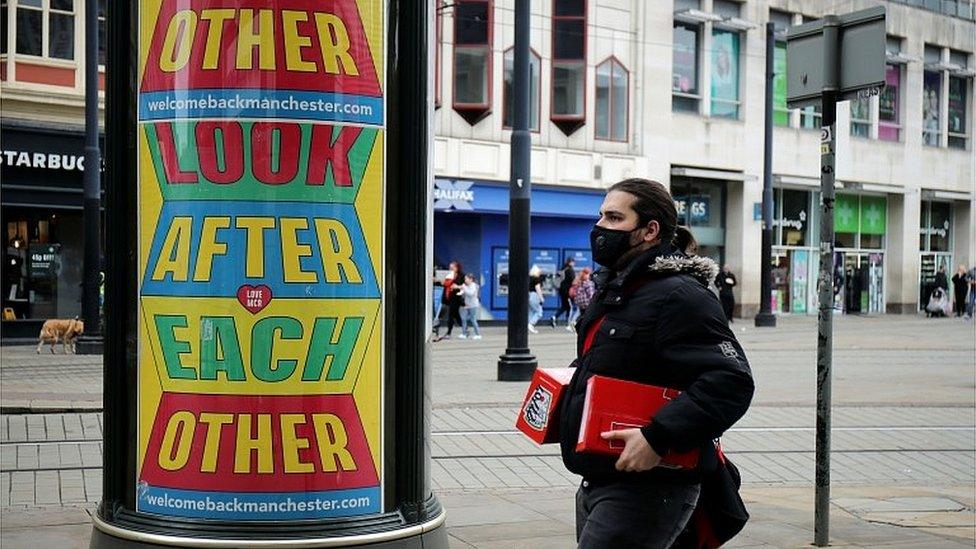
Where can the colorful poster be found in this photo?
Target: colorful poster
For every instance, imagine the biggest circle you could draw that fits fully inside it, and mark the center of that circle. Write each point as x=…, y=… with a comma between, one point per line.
x=261, y=249
x=781, y=115
x=725, y=73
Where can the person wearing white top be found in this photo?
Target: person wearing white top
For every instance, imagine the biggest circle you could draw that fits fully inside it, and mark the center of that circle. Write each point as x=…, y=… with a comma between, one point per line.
x=469, y=312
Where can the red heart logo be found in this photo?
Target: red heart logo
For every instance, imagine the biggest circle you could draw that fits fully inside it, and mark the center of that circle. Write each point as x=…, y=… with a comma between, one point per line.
x=254, y=298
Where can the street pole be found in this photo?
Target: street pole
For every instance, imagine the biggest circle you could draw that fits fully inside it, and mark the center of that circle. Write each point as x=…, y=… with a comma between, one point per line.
x=766, y=318
x=828, y=141
x=90, y=343
x=518, y=363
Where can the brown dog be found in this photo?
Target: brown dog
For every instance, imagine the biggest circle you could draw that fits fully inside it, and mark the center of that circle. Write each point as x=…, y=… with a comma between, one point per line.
x=58, y=328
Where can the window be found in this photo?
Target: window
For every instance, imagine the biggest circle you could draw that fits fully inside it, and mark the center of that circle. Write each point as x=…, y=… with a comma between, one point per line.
x=861, y=117
x=612, y=98
x=889, y=102
x=889, y=105
x=3, y=28
x=794, y=217
x=958, y=100
x=860, y=221
x=725, y=74
x=508, y=111
x=935, y=226
x=568, y=64
x=932, y=97
x=782, y=21
x=30, y=26
x=781, y=115
x=685, y=93
x=46, y=28
x=472, y=58
x=438, y=46
x=810, y=117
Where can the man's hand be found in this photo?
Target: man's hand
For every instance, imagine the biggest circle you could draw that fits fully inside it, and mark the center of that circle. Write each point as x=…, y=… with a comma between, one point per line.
x=637, y=455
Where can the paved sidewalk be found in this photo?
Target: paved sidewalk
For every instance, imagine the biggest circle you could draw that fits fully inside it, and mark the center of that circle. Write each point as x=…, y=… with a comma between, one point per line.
x=904, y=441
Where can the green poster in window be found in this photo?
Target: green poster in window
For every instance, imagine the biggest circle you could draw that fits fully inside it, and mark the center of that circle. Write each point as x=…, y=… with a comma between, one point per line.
x=845, y=214
x=873, y=214
x=781, y=116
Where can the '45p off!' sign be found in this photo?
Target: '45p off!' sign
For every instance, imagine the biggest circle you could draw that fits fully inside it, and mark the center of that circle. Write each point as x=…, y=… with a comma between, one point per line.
x=261, y=199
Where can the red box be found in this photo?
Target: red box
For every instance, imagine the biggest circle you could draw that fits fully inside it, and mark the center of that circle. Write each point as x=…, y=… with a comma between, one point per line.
x=614, y=404
x=539, y=415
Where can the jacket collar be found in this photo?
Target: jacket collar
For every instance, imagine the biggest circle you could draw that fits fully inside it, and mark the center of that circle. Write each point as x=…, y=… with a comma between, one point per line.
x=659, y=261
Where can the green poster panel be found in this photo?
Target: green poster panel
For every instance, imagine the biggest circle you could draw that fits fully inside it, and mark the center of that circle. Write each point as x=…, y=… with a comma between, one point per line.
x=781, y=116
x=873, y=214
x=846, y=214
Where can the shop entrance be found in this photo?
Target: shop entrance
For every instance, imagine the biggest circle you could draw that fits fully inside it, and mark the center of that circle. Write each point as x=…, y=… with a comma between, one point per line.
x=929, y=264
x=859, y=282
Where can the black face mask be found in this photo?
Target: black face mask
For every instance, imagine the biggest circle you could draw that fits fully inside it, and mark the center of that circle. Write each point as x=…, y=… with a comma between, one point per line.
x=608, y=245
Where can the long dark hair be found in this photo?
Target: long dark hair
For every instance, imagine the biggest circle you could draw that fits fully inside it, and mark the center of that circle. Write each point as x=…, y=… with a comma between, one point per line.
x=653, y=203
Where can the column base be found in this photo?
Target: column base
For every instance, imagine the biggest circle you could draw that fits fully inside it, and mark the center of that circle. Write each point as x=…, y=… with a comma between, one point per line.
x=765, y=320
x=89, y=345
x=516, y=366
x=428, y=535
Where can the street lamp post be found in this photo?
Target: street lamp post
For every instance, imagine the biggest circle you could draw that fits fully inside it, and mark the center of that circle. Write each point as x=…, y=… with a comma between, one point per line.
x=766, y=318
x=518, y=363
x=90, y=343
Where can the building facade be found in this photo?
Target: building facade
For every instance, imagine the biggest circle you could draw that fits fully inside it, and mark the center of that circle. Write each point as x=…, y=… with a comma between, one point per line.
x=669, y=90
x=673, y=91
x=42, y=80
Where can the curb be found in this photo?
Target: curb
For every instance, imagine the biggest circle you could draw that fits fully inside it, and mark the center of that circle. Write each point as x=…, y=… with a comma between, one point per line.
x=10, y=410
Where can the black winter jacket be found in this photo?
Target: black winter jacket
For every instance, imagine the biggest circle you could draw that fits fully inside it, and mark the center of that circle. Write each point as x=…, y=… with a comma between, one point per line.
x=662, y=327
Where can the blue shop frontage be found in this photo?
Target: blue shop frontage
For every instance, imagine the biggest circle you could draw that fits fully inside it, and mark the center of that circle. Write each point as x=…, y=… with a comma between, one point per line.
x=471, y=227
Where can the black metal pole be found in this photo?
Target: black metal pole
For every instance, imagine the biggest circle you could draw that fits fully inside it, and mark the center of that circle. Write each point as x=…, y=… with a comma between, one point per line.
x=518, y=363
x=91, y=341
x=766, y=318
x=825, y=336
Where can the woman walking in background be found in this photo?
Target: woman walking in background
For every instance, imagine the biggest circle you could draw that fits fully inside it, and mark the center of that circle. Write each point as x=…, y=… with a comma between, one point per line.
x=725, y=282
x=960, y=285
x=535, y=297
x=450, y=300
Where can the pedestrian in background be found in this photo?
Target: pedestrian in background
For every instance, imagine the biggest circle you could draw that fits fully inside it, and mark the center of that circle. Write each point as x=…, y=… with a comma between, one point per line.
x=585, y=289
x=450, y=301
x=565, y=304
x=960, y=286
x=535, y=297
x=469, y=311
x=725, y=281
x=971, y=305
x=654, y=321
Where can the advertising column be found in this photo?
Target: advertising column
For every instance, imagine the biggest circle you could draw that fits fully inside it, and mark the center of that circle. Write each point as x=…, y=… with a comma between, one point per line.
x=261, y=247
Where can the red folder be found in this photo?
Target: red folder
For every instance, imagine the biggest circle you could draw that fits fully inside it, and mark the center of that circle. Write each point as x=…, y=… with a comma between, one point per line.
x=614, y=404
x=539, y=415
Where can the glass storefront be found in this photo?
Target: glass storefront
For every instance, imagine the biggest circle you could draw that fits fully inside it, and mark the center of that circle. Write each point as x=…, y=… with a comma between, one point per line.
x=795, y=260
x=860, y=223
x=701, y=206
x=934, y=245
x=42, y=269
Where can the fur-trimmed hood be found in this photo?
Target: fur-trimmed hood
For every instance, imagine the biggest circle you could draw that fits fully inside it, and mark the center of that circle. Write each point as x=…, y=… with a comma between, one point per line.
x=702, y=268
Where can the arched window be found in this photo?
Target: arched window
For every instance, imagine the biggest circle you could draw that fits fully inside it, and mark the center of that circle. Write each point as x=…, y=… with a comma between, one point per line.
x=612, y=100
x=438, y=46
x=472, y=58
x=508, y=111
x=568, y=104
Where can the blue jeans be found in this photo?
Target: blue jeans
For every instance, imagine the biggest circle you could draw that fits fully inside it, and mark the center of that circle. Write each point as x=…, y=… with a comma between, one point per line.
x=971, y=306
x=469, y=317
x=535, y=308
